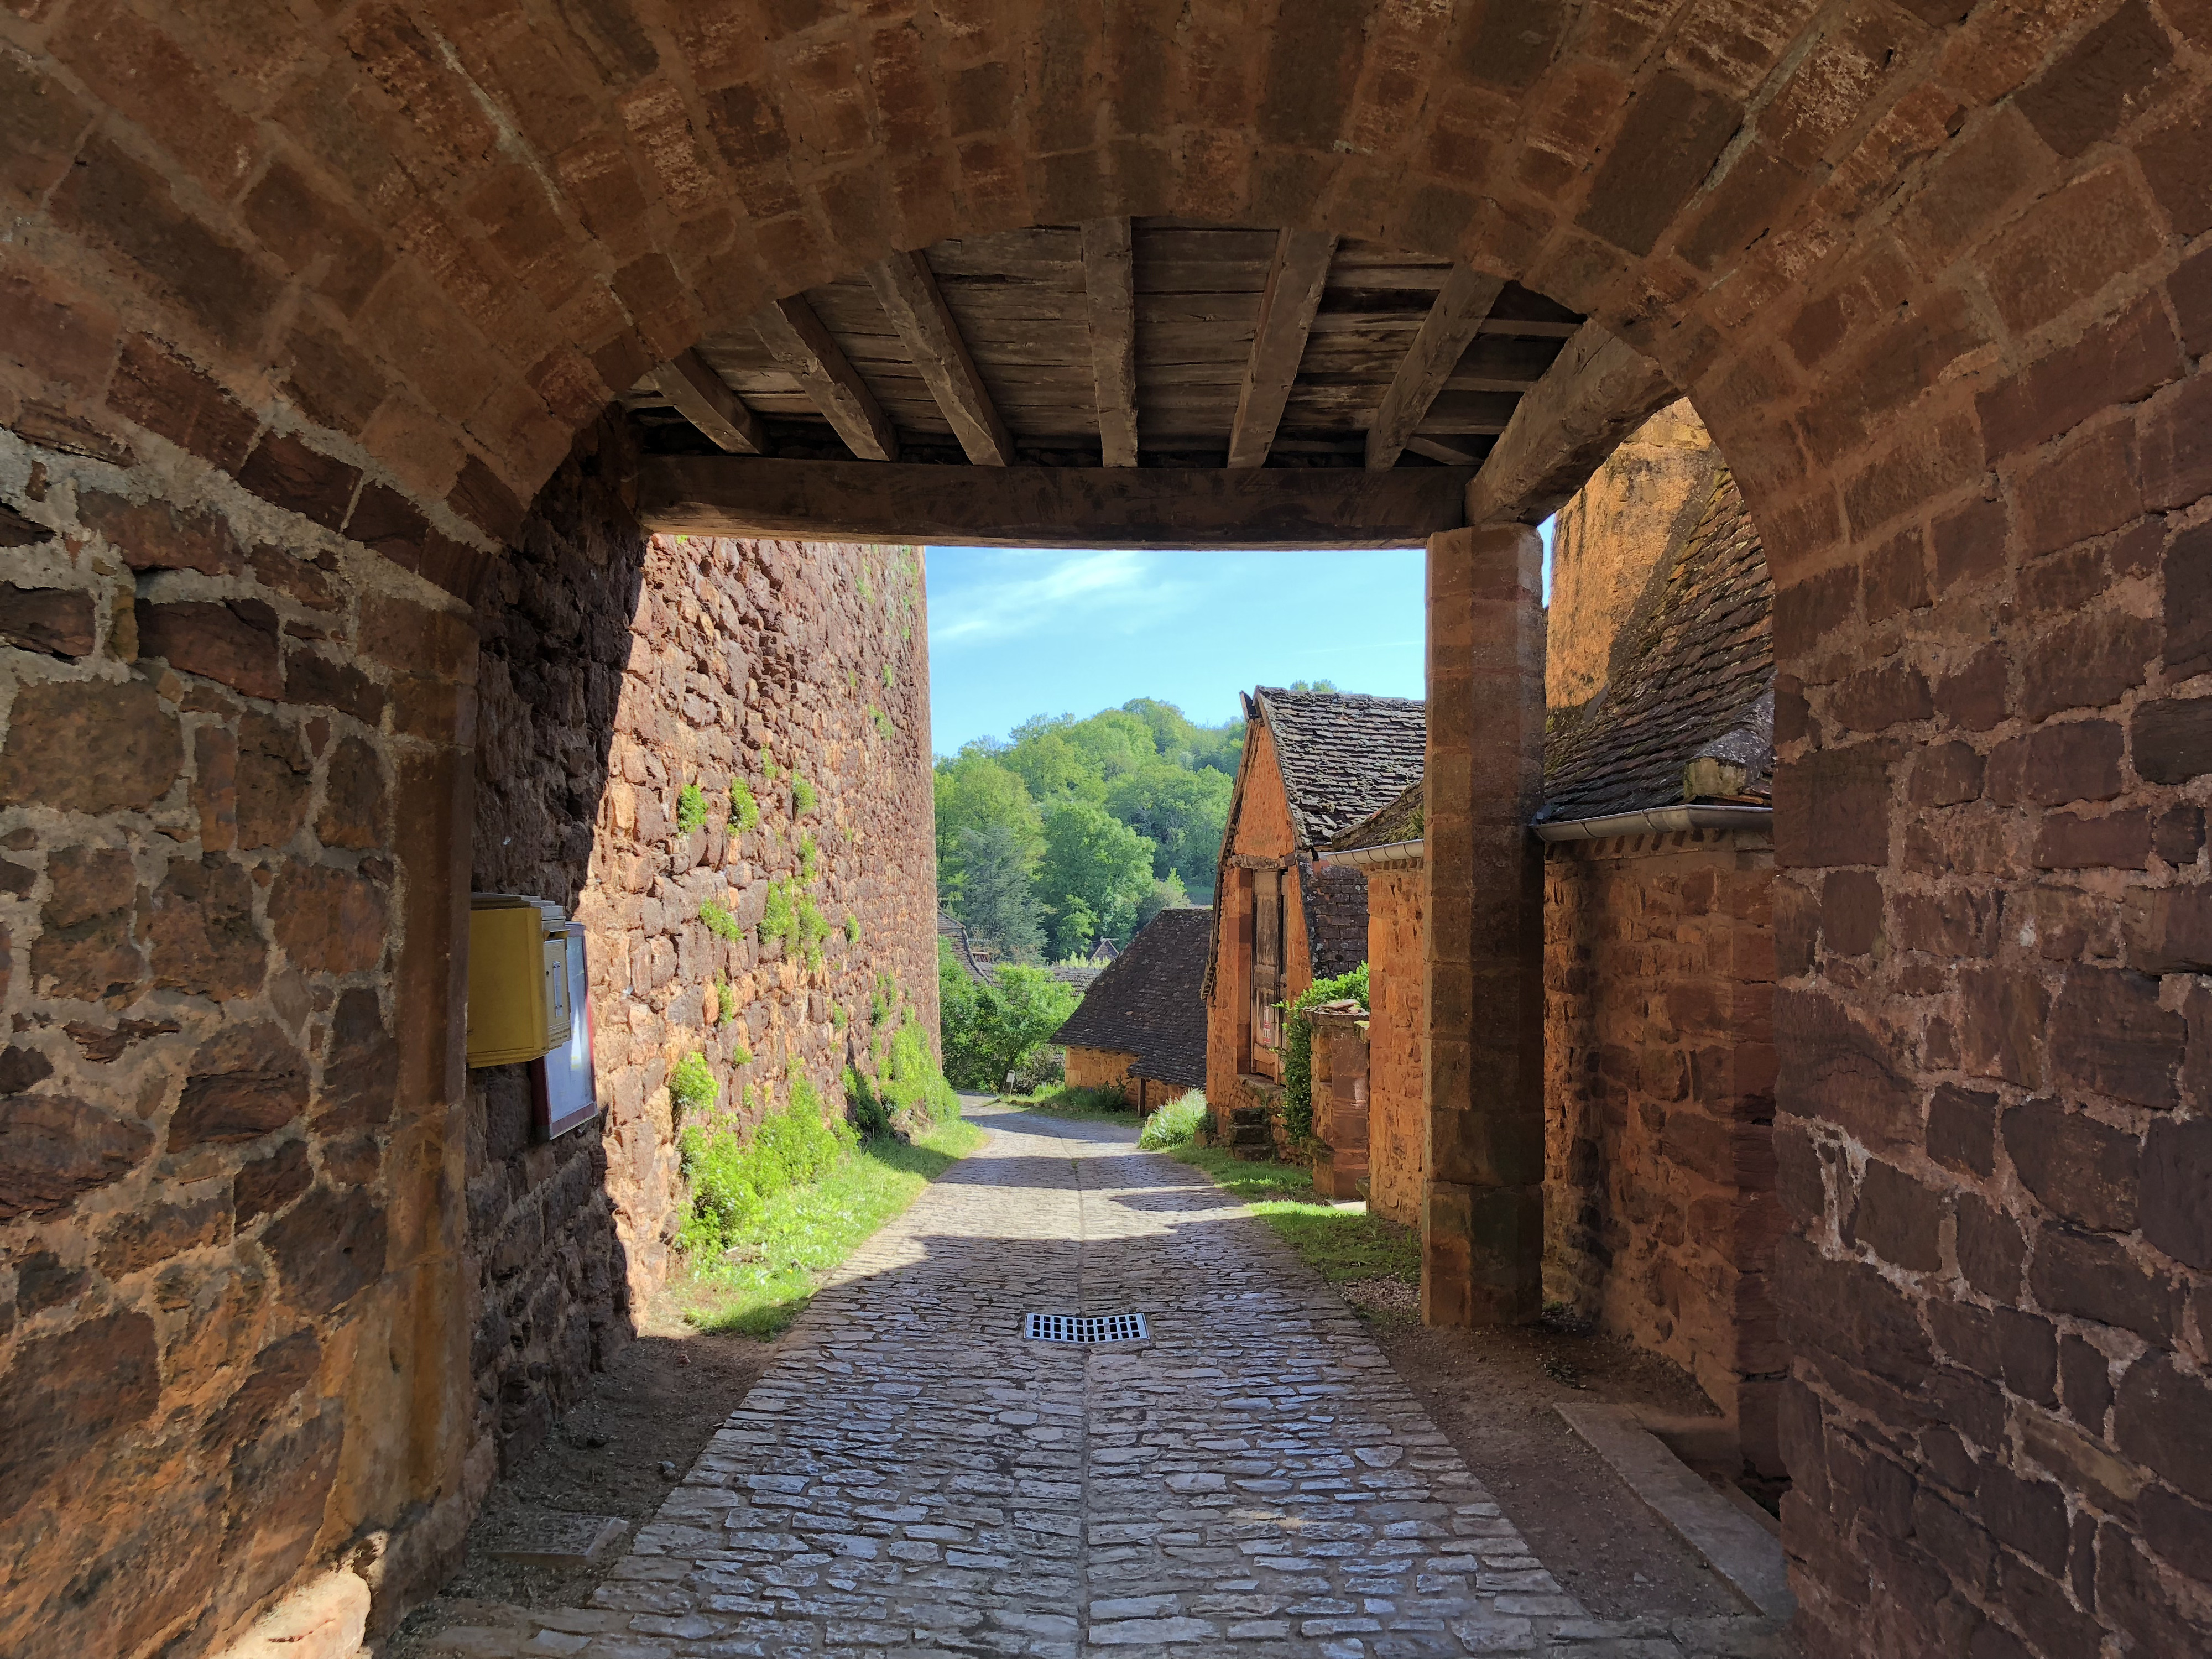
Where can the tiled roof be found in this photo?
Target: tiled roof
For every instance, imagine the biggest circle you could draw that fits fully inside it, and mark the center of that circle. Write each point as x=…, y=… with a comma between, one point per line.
x=1696, y=678
x=1148, y=1001
x=1399, y=820
x=1342, y=755
x=1336, y=917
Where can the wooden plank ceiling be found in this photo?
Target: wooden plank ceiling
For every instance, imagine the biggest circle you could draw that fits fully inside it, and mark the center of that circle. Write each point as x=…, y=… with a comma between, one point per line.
x=1238, y=348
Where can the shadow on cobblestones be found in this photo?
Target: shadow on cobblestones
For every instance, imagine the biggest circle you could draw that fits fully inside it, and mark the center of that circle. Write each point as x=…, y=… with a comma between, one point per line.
x=912, y=1477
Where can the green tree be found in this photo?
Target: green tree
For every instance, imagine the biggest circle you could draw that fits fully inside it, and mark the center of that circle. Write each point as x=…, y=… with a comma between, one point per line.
x=1167, y=895
x=1054, y=768
x=1182, y=813
x=1313, y=685
x=998, y=898
x=975, y=791
x=1116, y=742
x=989, y=1030
x=1094, y=860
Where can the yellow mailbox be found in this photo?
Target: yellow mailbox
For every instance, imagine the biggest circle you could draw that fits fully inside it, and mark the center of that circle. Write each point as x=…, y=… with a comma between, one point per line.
x=518, y=978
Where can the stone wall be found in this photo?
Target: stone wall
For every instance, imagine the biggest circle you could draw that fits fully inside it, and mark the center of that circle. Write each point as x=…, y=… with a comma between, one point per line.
x=1662, y=1217
x=1102, y=1069
x=1604, y=583
x=1397, y=1119
x=232, y=787
x=616, y=669
x=1260, y=828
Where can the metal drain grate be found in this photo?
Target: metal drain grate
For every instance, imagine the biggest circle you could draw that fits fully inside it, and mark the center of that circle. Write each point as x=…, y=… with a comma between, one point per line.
x=1086, y=1328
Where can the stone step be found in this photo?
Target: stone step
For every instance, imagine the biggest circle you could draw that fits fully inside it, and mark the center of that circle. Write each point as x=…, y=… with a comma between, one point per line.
x=1242, y=1115
x=1250, y=1134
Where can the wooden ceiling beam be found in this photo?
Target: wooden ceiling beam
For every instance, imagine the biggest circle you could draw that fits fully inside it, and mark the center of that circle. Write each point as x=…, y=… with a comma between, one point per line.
x=1446, y=332
x=702, y=398
x=795, y=338
x=1296, y=277
x=1050, y=506
x=1598, y=393
x=1110, y=283
x=907, y=290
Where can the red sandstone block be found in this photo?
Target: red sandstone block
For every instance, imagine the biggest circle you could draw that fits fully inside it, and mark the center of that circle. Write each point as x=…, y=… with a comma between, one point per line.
x=2119, y=362
x=285, y=472
x=2088, y=489
x=2176, y=446
x=2102, y=83
x=333, y=384
x=1833, y=807
x=165, y=394
x=114, y=200
x=1975, y=698
x=1672, y=134
x=61, y=339
x=2189, y=288
x=158, y=536
x=1878, y=698
x=2070, y=246
x=1996, y=166
x=235, y=642
x=318, y=239
x=2087, y=664
x=1930, y=464
x=41, y=124
x=135, y=69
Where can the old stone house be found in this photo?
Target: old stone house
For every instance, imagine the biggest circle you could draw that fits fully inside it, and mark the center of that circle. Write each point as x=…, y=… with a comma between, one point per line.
x=307, y=314
x=1140, y=1029
x=1313, y=763
x=1661, y=1203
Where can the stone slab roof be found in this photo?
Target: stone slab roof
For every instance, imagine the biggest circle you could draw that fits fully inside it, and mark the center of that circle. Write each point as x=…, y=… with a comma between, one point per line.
x=1149, y=1002
x=1696, y=678
x=1403, y=820
x=1342, y=755
x=1335, y=898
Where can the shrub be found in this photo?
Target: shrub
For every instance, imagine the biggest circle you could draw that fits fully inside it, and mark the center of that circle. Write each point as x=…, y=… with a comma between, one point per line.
x=745, y=810
x=891, y=679
x=1174, y=1124
x=813, y=928
x=690, y=808
x=1041, y=1068
x=809, y=864
x=883, y=1000
x=802, y=795
x=1298, y=1047
x=852, y=928
x=884, y=729
x=719, y=920
x=779, y=919
x=991, y=1029
x=908, y=1083
x=691, y=1086
x=732, y=1178
x=838, y=1017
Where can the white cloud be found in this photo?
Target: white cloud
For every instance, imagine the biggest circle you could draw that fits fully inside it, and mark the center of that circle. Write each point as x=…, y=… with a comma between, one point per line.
x=1114, y=588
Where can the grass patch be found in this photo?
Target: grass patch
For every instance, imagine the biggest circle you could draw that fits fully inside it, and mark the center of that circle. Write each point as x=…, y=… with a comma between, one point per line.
x=1084, y=1105
x=765, y=1278
x=1339, y=1244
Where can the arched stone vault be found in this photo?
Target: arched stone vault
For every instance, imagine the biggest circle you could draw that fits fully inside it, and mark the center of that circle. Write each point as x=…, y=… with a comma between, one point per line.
x=1934, y=272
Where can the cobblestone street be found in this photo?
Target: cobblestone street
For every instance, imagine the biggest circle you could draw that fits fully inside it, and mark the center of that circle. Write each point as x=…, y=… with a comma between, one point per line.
x=913, y=1477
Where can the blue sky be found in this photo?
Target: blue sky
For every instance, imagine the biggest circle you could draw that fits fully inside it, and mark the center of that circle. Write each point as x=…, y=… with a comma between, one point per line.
x=1020, y=631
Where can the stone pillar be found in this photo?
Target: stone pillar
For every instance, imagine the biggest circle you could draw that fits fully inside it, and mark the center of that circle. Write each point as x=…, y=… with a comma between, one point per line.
x=1482, y=1210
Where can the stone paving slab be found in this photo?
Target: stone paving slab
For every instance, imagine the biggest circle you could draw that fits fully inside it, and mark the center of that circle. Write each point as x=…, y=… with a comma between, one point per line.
x=912, y=1477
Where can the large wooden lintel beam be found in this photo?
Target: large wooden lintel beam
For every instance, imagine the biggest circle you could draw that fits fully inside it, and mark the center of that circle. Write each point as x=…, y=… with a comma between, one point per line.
x=907, y=290
x=1445, y=334
x=1110, y=284
x=702, y=398
x=1295, y=279
x=1049, y=505
x=1595, y=395
x=809, y=355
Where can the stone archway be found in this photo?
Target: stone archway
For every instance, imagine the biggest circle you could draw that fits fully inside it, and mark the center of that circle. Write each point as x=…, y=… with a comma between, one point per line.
x=1935, y=274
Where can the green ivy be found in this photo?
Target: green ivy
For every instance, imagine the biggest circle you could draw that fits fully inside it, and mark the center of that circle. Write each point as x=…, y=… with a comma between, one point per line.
x=745, y=810
x=808, y=867
x=884, y=729
x=813, y=928
x=891, y=679
x=779, y=919
x=1298, y=1047
x=802, y=795
x=838, y=1017
x=852, y=928
x=691, y=1086
x=721, y=921
x=690, y=808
